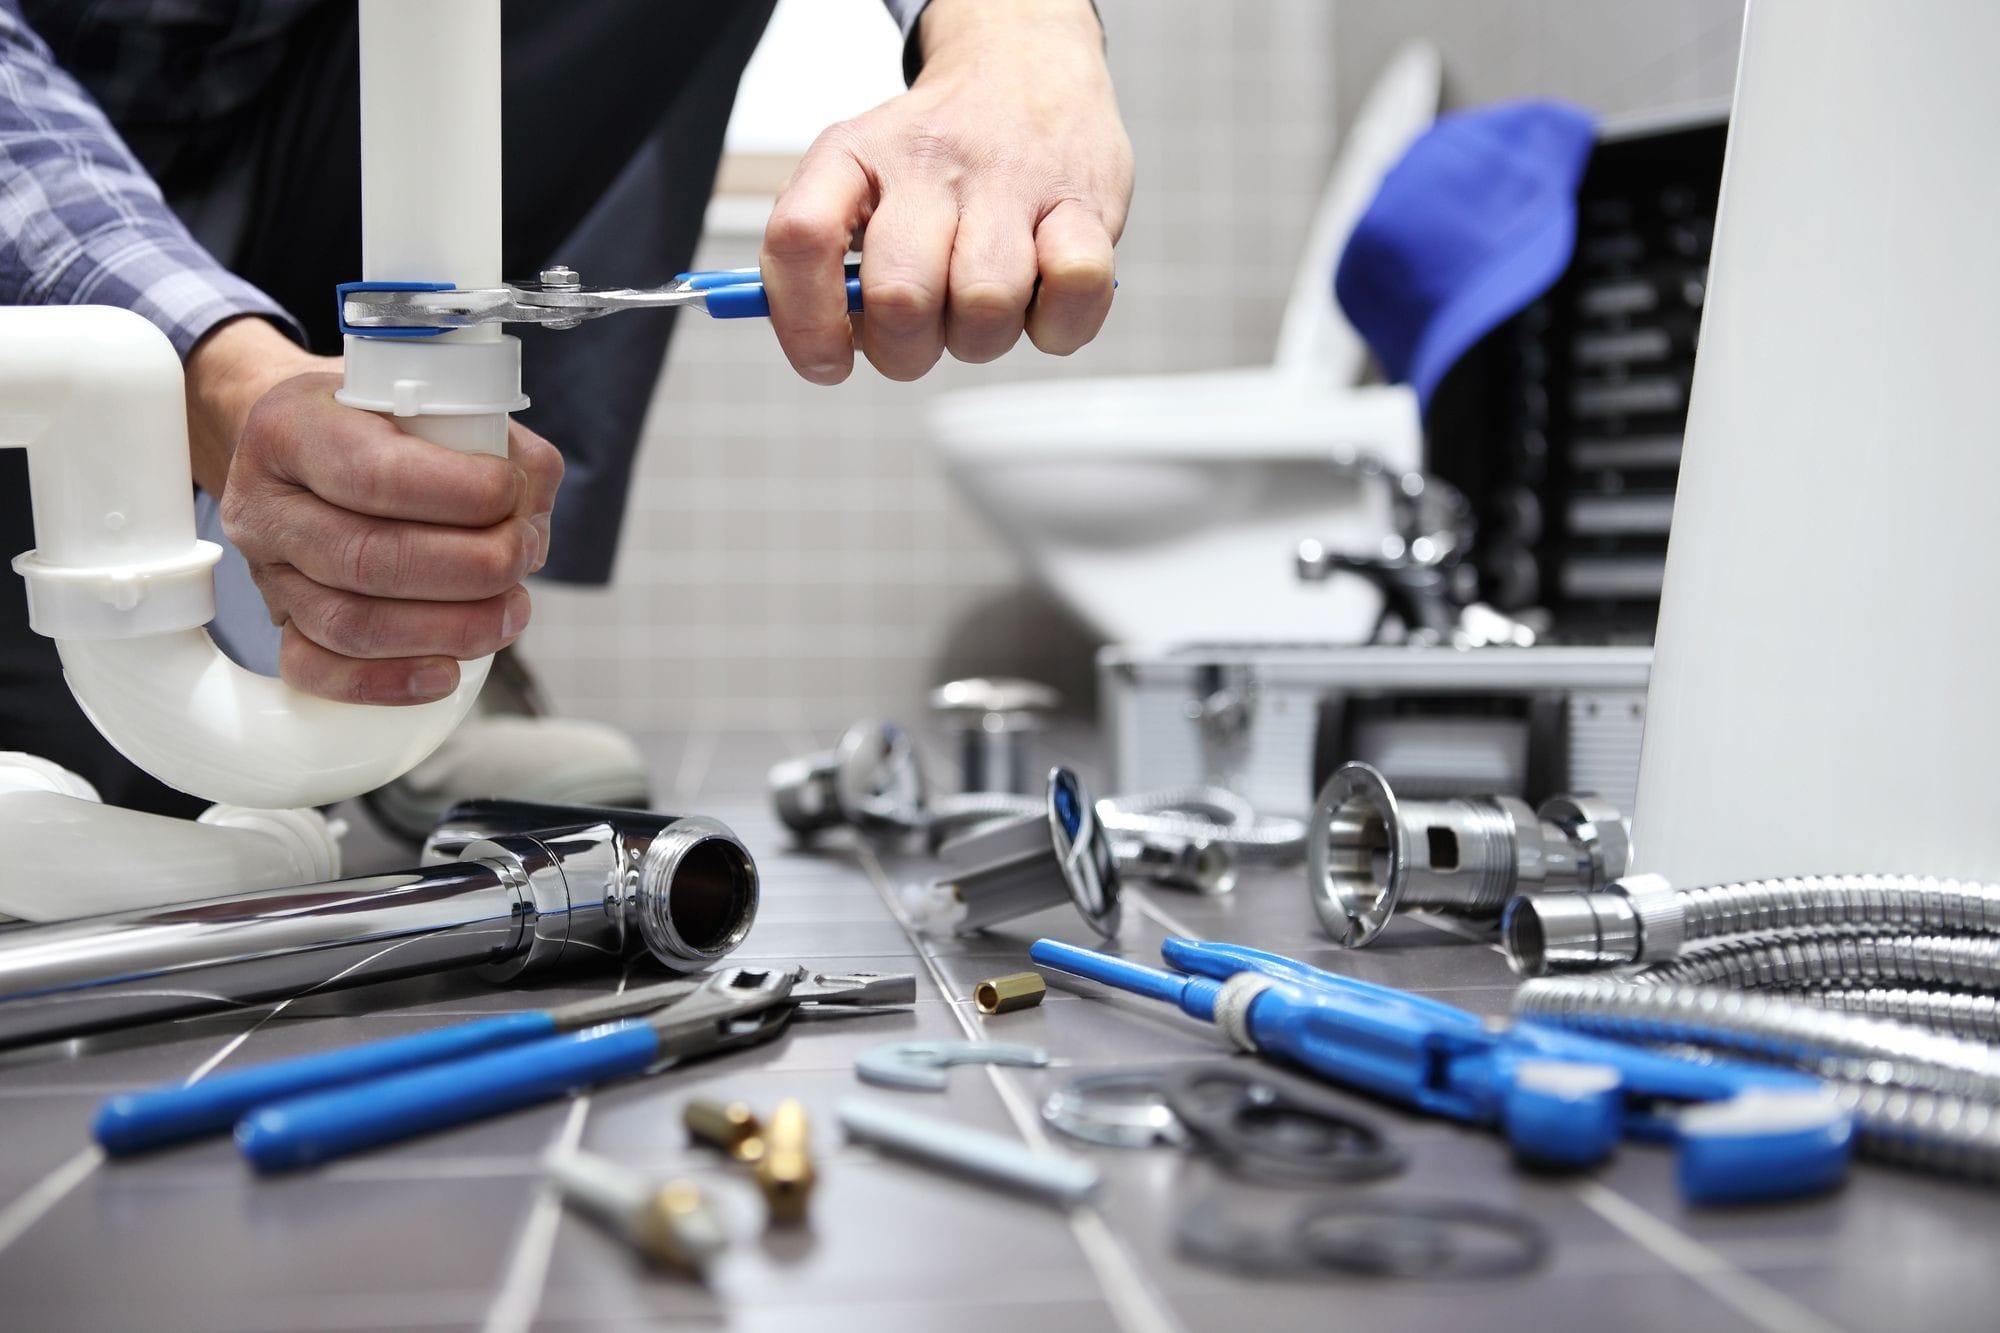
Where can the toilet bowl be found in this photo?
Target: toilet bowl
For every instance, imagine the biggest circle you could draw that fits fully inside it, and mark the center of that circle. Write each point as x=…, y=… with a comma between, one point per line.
x=1169, y=508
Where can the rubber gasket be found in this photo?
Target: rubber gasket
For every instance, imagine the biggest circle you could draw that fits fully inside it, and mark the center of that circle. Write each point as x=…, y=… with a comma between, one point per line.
x=1386, y=1237
x=1263, y=1129
x=1516, y=1243
x=1112, y=1111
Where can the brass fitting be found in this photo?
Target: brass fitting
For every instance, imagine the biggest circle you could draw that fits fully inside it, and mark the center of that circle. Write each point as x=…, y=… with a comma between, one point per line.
x=730, y=1126
x=785, y=1171
x=1003, y=995
x=677, y=1229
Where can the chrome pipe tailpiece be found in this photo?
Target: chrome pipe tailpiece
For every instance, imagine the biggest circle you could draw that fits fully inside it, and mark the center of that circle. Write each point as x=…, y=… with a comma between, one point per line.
x=870, y=779
x=991, y=719
x=1369, y=853
x=513, y=904
x=1185, y=861
x=1060, y=855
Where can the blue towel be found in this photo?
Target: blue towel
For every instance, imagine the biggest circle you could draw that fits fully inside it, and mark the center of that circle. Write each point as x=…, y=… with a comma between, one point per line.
x=1475, y=222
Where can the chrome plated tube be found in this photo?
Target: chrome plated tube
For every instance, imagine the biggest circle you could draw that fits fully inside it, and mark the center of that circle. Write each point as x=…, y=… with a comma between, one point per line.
x=681, y=887
x=1369, y=853
x=1190, y=814
x=512, y=904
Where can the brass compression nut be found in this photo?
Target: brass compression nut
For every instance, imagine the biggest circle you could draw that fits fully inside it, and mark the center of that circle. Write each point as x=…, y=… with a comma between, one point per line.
x=677, y=1228
x=730, y=1126
x=1003, y=995
x=785, y=1171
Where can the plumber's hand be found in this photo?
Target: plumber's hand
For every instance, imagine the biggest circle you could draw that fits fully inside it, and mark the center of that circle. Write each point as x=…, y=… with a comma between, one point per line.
x=1004, y=166
x=386, y=558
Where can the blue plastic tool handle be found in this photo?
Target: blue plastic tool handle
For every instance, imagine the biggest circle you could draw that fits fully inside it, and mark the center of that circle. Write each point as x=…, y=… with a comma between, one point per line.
x=322, y=1126
x=1211, y=958
x=1195, y=995
x=702, y=280
x=1757, y=1167
x=136, y=1121
x=748, y=301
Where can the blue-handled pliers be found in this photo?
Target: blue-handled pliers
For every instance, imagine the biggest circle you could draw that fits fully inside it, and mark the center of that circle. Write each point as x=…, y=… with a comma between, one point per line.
x=301, y=1111
x=1561, y=1098
x=556, y=299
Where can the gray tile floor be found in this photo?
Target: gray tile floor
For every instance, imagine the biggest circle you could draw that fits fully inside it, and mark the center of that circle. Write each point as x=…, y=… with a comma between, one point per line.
x=453, y=1231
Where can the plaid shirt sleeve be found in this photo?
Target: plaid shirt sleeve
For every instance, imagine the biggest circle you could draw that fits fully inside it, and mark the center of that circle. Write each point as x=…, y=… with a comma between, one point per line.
x=80, y=220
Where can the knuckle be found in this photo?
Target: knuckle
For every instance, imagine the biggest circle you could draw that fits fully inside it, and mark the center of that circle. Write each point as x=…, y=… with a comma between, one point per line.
x=494, y=563
x=988, y=303
x=349, y=625
x=372, y=558
x=900, y=302
x=796, y=232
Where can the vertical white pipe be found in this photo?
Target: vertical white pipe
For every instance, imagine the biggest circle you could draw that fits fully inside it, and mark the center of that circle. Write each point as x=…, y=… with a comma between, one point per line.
x=1822, y=695
x=430, y=202
x=430, y=144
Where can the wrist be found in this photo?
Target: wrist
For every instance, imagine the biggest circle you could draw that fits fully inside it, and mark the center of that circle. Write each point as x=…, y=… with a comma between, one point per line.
x=951, y=29
x=236, y=363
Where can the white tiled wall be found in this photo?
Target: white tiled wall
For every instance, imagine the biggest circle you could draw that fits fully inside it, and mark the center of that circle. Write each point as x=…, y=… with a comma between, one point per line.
x=795, y=556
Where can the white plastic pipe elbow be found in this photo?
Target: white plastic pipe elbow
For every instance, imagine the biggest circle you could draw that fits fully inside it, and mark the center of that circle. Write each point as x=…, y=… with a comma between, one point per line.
x=69, y=855
x=119, y=580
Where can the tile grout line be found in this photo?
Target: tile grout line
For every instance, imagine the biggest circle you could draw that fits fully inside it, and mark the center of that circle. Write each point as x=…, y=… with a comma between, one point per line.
x=1761, y=1304
x=526, y=1275
x=695, y=761
x=1133, y=1302
x=1756, y=1301
x=36, y=1202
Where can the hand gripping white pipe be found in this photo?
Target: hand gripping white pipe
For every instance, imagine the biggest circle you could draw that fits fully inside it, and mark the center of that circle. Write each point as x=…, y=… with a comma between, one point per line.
x=95, y=396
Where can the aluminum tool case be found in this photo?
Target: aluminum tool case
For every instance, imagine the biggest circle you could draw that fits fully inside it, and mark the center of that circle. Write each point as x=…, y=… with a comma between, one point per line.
x=1270, y=721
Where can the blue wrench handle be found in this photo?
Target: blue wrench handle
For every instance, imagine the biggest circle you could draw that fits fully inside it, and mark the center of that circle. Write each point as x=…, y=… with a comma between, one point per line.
x=136, y=1121
x=320, y=1126
x=748, y=300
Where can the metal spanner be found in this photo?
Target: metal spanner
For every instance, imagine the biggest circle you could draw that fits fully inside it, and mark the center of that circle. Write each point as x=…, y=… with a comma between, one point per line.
x=926, y=1065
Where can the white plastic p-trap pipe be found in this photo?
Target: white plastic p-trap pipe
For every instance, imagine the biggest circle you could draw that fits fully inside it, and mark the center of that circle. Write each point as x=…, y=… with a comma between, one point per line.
x=119, y=581
x=69, y=855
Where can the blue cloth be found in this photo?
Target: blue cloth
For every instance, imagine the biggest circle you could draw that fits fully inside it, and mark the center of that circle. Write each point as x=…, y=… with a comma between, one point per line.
x=1476, y=221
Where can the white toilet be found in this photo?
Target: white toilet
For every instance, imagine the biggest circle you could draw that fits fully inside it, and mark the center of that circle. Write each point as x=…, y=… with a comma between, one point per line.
x=1168, y=508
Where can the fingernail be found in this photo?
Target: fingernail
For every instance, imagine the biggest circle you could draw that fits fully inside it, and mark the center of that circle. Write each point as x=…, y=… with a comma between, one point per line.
x=432, y=682
x=515, y=618
x=540, y=523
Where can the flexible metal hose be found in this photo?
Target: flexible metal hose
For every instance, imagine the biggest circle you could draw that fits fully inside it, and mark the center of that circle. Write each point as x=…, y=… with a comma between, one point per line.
x=1960, y=1013
x=1906, y=902
x=1799, y=959
x=1841, y=1046
x=1886, y=988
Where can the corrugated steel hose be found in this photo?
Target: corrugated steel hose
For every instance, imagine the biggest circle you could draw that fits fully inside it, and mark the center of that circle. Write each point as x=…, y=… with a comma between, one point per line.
x=1884, y=985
